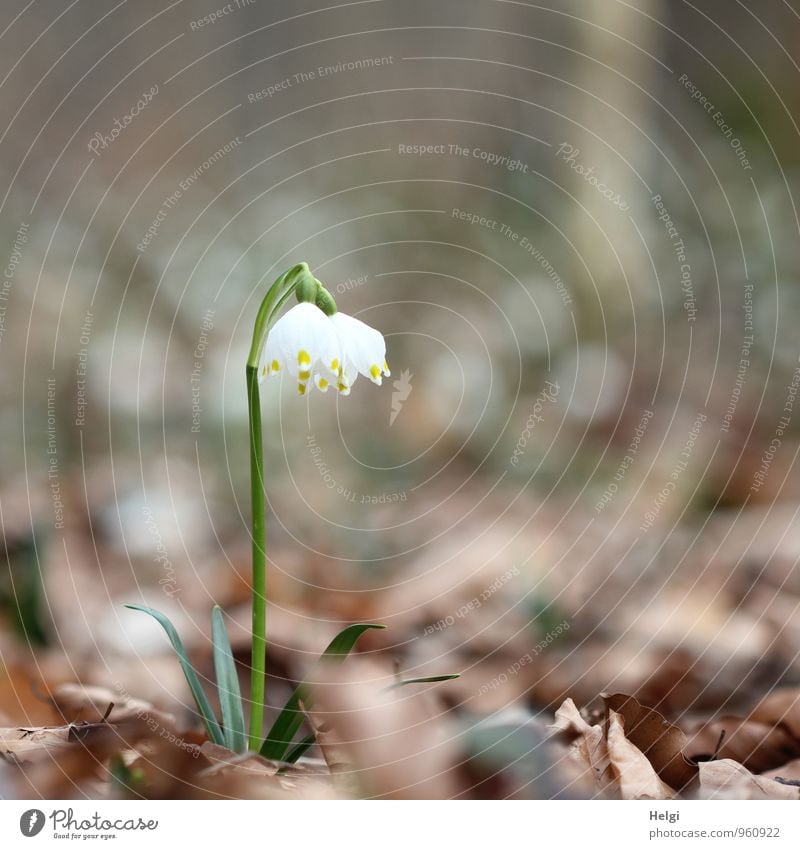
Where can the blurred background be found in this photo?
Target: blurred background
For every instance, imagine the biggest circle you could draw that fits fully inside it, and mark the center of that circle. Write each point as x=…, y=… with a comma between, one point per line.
x=575, y=224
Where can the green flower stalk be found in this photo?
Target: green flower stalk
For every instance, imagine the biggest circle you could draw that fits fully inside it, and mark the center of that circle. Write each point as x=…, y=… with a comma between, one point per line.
x=280, y=291
x=316, y=345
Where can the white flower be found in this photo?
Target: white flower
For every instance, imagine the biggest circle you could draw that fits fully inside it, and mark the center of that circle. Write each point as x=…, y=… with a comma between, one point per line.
x=363, y=351
x=304, y=344
x=309, y=345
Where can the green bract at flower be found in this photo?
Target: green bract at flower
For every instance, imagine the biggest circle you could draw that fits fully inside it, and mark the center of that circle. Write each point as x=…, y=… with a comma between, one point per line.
x=318, y=346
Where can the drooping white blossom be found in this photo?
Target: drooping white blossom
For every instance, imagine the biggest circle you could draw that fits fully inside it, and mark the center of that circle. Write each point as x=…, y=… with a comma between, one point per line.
x=319, y=350
x=304, y=344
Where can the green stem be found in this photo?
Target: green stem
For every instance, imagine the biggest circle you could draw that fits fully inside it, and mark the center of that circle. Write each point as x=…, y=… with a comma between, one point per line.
x=276, y=297
x=258, y=501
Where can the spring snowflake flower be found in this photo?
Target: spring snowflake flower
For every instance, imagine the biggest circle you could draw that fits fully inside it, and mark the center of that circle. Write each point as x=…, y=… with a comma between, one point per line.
x=363, y=351
x=318, y=346
x=304, y=344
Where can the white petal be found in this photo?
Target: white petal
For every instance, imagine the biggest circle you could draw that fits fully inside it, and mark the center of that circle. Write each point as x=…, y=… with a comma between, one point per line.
x=302, y=342
x=363, y=349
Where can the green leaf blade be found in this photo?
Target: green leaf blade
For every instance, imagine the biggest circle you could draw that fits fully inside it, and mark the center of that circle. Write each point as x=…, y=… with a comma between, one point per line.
x=342, y=644
x=280, y=736
x=200, y=698
x=230, y=697
x=300, y=749
x=430, y=679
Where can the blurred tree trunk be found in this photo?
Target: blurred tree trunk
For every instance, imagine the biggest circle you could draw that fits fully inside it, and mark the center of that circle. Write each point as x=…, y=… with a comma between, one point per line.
x=617, y=117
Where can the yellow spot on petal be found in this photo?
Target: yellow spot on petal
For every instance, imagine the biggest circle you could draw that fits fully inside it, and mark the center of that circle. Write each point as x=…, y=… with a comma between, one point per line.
x=301, y=389
x=323, y=384
x=335, y=365
x=342, y=387
x=275, y=365
x=264, y=370
x=303, y=358
x=386, y=368
x=304, y=375
x=375, y=371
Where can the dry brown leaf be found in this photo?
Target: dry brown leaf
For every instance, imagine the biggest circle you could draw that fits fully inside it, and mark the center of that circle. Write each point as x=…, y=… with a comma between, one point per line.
x=19, y=744
x=78, y=702
x=222, y=760
x=569, y=721
x=756, y=745
x=69, y=761
x=249, y=776
x=789, y=771
x=76, y=772
x=337, y=758
x=781, y=707
x=589, y=747
x=635, y=774
x=397, y=739
x=660, y=741
x=727, y=779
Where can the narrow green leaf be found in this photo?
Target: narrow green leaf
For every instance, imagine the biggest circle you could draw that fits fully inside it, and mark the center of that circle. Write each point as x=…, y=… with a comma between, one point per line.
x=300, y=749
x=285, y=726
x=431, y=679
x=200, y=698
x=290, y=719
x=342, y=644
x=230, y=698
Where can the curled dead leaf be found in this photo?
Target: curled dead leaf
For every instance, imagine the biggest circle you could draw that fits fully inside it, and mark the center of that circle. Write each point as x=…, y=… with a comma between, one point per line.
x=786, y=772
x=588, y=750
x=727, y=779
x=781, y=707
x=20, y=744
x=635, y=774
x=757, y=746
x=661, y=742
x=250, y=776
x=87, y=703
